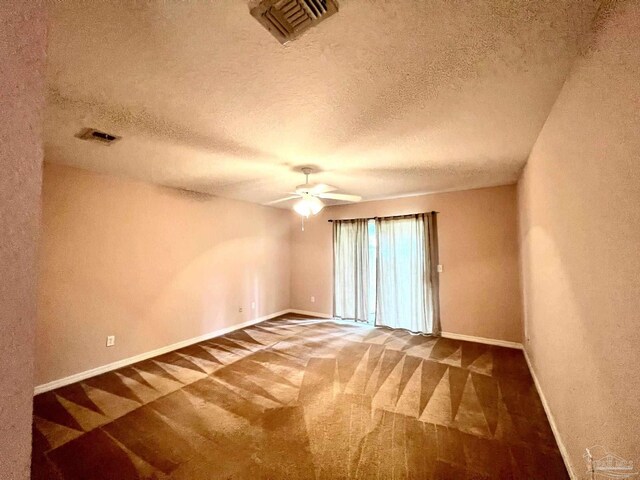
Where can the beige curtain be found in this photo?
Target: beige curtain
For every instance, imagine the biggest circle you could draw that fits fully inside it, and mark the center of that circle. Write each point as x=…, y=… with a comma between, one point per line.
x=350, y=269
x=433, y=286
x=407, y=278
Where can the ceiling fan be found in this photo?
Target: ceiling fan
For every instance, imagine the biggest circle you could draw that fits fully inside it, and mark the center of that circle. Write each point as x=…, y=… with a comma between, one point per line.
x=310, y=195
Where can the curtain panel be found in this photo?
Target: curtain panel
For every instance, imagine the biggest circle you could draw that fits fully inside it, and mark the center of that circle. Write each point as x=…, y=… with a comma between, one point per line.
x=407, y=279
x=351, y=269
x=433, y=300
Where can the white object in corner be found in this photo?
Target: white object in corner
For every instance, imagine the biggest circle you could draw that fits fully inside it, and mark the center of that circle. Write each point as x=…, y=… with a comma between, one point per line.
x=488, y=341
x=552, y=422
x=153, y=353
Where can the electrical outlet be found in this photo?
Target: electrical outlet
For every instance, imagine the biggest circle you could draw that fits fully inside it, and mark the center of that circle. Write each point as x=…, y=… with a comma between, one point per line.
x=239, y=309
x=439, y=268
x=253, y=305
x=111, y=340
x=313, y=299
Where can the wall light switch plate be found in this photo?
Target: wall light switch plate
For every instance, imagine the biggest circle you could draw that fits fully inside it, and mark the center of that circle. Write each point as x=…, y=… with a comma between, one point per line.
x=313, y=299
x=439, y=268
x=111, y=340
x=253, y=305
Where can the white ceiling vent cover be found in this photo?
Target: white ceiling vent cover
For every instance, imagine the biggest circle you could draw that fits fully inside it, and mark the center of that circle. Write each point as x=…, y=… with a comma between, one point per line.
x=288, y=19
x=97, y=136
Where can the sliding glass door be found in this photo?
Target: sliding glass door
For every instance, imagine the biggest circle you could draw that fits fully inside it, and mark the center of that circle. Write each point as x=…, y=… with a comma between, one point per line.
x=401, y=269
x=384, y=272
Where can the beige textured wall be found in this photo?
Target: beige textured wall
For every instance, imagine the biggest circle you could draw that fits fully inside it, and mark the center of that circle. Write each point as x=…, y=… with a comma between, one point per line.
x=580, y=232
x=22, y=58
x=479, y=287
x=150, y=265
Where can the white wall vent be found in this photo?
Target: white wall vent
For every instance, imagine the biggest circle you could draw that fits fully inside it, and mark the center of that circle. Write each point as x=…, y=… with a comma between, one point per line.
x=97, y=136
x=288, y=19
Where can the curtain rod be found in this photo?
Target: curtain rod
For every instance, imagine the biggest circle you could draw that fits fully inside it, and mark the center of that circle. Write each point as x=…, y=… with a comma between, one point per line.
x=408, y=215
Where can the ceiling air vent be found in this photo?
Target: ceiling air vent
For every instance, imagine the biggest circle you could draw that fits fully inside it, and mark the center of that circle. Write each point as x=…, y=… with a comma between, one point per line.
x=97, y=136
x=288, y=19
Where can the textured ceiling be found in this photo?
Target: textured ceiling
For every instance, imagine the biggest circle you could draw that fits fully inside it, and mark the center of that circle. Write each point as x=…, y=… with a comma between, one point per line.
x=386, y=98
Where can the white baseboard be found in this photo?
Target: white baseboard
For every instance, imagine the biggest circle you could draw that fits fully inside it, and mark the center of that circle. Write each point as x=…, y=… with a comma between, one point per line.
x=488, y=341
x=552, y=422
x=153, y=353
x=310, y=314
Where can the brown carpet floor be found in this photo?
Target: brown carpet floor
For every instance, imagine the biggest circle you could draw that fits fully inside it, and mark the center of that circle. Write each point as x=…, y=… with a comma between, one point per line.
x=296, y=398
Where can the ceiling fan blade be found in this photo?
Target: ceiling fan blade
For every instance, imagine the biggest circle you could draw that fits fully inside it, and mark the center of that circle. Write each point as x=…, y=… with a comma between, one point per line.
x=322, y=188
x=283, y=199
x=340, y=196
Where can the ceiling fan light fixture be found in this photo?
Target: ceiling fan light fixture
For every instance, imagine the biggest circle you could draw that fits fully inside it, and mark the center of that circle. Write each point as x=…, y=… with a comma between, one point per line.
x=316, y=205
x=308, y=206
